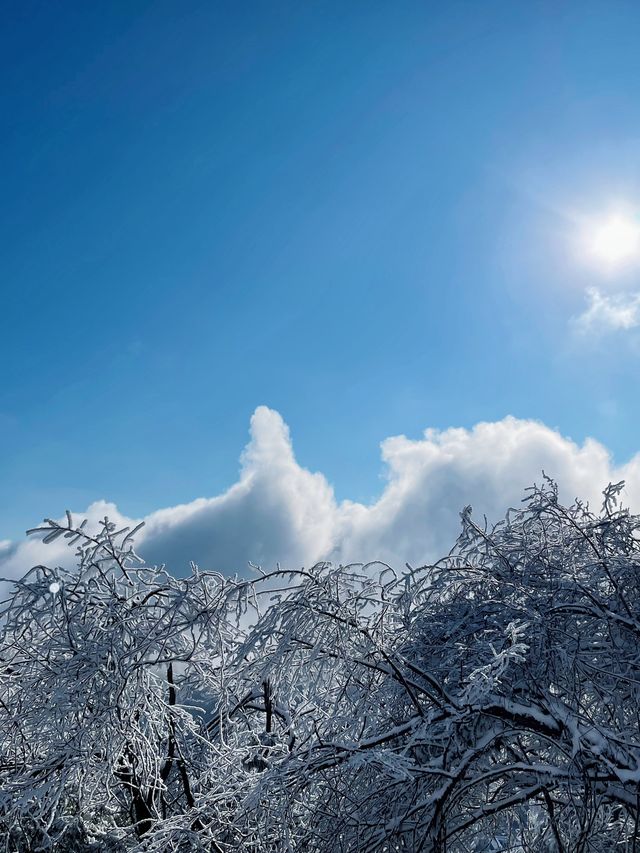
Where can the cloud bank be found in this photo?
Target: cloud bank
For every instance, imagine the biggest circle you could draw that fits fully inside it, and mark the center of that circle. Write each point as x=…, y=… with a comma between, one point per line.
x=278, y=511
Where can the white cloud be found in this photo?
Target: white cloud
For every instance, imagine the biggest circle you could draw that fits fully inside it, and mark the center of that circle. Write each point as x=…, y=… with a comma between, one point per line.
x=611, y=313
x=278, y=511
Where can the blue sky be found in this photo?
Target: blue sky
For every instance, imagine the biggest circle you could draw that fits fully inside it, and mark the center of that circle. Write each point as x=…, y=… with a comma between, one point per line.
x=362, y=215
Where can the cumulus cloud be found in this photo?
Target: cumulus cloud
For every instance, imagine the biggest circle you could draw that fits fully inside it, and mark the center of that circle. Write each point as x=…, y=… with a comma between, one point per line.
x=278, y=511
x=608, y=313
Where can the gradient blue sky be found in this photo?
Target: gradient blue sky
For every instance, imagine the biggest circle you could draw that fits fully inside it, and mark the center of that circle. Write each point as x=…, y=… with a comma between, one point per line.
x=359, y=214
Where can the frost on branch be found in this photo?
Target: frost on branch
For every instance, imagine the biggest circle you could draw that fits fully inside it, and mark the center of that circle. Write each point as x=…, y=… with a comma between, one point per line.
x=488, y=702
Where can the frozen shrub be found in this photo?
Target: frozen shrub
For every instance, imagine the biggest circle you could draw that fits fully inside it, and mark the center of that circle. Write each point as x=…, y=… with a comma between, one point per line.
x=488, y=702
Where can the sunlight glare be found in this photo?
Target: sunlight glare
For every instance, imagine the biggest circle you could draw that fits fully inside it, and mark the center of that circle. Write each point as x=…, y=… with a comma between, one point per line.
x=615, y=241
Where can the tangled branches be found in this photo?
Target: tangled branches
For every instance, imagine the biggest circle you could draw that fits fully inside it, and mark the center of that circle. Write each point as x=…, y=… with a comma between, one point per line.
x=487, y=702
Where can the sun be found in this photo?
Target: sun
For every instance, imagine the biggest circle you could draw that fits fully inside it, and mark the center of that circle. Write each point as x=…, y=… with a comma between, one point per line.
x=614, y=241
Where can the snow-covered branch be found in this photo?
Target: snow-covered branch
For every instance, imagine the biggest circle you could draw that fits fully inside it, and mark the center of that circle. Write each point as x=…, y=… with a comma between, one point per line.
x=487, y=702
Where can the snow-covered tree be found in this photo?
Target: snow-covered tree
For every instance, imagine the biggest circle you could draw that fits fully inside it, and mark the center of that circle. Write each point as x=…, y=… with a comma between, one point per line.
x=488, y=702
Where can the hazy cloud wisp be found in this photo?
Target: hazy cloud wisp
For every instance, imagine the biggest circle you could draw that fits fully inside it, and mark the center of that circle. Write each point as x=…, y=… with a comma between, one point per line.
x=608, y=313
